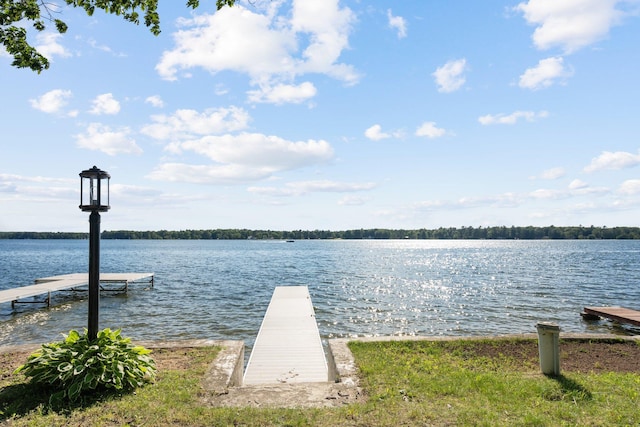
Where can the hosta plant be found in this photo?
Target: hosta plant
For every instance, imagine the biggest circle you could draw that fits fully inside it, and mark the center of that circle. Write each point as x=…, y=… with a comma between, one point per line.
x=78, y=366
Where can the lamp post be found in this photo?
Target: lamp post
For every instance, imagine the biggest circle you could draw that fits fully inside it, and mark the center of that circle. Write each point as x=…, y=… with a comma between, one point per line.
x=94, y=185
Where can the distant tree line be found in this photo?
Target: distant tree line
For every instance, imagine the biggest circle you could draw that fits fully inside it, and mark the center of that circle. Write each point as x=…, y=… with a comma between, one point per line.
x=452, y=233
x=41, y=235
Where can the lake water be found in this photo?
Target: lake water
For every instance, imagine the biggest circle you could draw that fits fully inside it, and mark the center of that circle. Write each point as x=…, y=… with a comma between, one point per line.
x=221, y=289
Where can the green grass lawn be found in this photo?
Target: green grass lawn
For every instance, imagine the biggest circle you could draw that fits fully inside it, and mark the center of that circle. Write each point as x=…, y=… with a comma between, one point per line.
x=407, y=382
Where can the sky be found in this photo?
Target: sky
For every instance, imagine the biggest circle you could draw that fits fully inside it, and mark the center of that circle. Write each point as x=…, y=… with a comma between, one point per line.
x=330, y=115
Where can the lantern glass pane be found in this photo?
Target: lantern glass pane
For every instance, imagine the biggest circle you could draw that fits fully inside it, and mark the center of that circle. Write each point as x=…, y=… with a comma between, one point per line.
x=106, y=181
x=93, y=191
x=86, y=191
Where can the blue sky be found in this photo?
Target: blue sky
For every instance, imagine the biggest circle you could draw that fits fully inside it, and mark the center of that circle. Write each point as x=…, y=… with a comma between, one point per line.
x=334, y=115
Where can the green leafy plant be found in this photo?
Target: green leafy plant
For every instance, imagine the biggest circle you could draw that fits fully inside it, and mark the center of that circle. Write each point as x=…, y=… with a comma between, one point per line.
x=77, y=366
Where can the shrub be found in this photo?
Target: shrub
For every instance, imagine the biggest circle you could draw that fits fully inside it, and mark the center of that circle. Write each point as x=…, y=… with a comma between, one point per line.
x=77, y=366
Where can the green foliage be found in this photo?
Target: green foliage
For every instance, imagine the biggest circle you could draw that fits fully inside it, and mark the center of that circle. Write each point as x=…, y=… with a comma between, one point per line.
x=38, y=235
x=405, y=384
x=77, y=366
x=452, y=233
x=462, y=382
x=467, y=233
x=14, y=12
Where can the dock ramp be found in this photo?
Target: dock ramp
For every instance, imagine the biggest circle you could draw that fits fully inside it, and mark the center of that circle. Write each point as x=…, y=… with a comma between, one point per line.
x=288, y=348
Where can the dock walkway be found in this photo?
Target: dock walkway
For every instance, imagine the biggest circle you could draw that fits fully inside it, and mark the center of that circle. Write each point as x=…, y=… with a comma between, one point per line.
x=619, y=314
x=288, y=348
x=47, y=285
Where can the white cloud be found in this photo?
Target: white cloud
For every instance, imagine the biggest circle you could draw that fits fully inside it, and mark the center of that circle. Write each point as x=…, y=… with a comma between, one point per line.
x=328, y=28
x=576, y=188
x=553, y=173
x=231, y=39
x=105, y=104
x=305, y=187
x=269, y=153
x=350, y=200
x=630, y=187
x=155, y=101
x=544, y=74
x=47, y=44
x=512, y=118
x=615, y=161
x=499, y=200
x=430, y=130
x=548, y=194
x=375, y=133
x=570, y=25
x=51, y=102
x=135, y=192
x=102, y=138
x=283, y=93
x=184, y=124
x=207, y=174
x=577, y=184
x=242, y=158
x=221, y=89
x=104, y=48
x=398, y=23
x=16, y=179
x=268, y=47
x=37, y=188
x=428, y=205
x=8, y=187
x=450, y=77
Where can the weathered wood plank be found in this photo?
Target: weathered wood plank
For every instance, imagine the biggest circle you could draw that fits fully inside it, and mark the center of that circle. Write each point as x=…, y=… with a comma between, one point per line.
x=619, y=314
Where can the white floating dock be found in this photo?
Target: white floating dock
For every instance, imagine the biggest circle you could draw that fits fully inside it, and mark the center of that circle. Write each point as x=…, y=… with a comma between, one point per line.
x=288, y=348
x=46, y=285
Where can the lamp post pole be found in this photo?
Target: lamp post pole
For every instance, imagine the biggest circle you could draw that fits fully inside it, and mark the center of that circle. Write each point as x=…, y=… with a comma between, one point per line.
x=94, y=274
x=92, y=191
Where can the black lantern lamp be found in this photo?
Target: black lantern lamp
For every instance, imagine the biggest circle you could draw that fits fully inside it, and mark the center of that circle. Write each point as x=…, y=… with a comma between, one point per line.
x=94, y=186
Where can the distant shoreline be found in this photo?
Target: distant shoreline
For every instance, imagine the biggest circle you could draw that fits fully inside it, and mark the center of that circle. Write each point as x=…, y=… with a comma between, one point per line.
x=450, y=233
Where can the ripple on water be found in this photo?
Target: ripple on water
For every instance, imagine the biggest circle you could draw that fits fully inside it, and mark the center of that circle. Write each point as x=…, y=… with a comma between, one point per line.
x=221, y=289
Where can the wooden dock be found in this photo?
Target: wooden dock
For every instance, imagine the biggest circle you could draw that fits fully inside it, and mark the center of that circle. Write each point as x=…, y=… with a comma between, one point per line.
x=618, y=314
x=288, y=348
x=47, y=285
